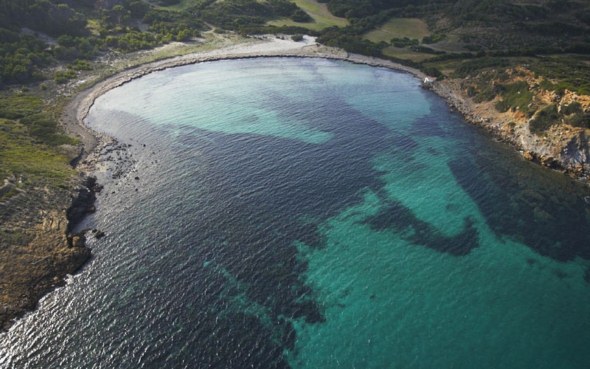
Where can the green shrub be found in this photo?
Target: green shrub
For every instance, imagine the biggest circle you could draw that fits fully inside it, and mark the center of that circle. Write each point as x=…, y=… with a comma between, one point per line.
x=432, y=39
x=514, y=96
x=578, y=120
x=404, y=42
x=354, y=44
x=134, y=40
x=502, y=106
x=80, y=65
x=569, y=72
x=22, y=156
x=486, y=94
x=544, y=119
x=573, y=108
x=62, y=76
x=473, y=66
x=300, y=16
x=18, y=106
x=575, y=116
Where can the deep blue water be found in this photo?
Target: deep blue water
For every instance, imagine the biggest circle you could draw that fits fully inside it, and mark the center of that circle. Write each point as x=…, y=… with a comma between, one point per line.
x=305, y=213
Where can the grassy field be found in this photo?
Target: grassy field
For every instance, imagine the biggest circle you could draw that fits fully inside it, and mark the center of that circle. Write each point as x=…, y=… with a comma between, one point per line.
x=399, y=28
x=22, y=157
x=14, y=106
x=406, y=54
x=29, y=138
x=446, y=67
x=320, y=14
x=451, y=44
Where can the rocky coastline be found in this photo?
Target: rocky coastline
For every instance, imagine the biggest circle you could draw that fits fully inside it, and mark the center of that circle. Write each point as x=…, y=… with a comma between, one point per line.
x=570, y=154
x=49, y=250
x=40, y=247
x=564, y=149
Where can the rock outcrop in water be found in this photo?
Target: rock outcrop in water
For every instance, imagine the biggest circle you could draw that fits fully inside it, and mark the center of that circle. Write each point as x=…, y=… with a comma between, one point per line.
x=37, y=246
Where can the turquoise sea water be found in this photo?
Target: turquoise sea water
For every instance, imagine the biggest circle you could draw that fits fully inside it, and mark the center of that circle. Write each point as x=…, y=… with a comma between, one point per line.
x=307, y=213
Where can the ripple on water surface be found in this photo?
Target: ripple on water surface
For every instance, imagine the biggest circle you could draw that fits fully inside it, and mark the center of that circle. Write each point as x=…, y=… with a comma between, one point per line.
x=305, y=213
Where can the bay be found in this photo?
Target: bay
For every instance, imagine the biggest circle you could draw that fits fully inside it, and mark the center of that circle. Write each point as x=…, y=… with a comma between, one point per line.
x=307, y=213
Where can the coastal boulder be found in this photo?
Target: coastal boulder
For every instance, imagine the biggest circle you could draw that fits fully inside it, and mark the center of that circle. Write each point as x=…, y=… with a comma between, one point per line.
x=82, y=202
x=77, y=240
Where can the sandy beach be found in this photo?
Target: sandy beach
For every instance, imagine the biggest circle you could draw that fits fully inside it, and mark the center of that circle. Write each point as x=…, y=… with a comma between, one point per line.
x=529, y=145
x=269, y=46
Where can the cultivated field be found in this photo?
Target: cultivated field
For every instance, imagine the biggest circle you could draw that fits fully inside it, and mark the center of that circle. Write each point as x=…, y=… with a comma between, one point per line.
x=320, y=14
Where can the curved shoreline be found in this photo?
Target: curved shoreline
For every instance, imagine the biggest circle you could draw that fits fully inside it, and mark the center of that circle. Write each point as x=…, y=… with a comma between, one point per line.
x=550, y=156
x=76, y=111
x=78, y=108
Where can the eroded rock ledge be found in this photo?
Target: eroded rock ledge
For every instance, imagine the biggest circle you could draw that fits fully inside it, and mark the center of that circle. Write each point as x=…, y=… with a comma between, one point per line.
x=37, y=245
x=561, y=147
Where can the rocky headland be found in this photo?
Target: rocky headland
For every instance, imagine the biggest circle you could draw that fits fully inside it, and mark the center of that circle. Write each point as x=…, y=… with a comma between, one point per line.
x=39, y=247
x=557, y=144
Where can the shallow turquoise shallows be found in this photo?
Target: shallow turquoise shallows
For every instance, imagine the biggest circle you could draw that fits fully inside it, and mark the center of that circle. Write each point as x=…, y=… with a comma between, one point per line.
x=315, y=214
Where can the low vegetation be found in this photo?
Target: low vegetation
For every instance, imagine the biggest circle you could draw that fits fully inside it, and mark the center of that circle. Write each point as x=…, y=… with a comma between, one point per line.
x=30, y=140
x=16, y=106
x=315, y=17
x=544, y=119
x=571, y=72
x=399, y=28
x=575, y=116
x=28, y=160
x=405, y=54
x=514, y=96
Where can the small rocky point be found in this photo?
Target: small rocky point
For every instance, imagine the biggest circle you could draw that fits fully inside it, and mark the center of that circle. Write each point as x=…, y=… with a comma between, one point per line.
x=38, y=247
